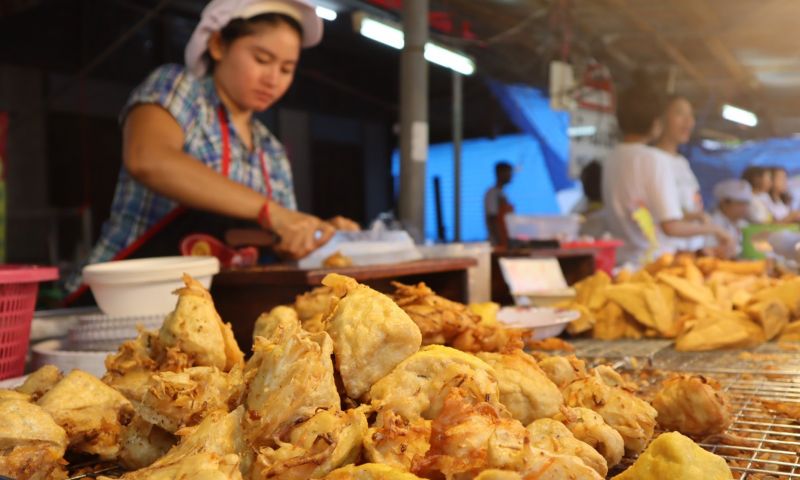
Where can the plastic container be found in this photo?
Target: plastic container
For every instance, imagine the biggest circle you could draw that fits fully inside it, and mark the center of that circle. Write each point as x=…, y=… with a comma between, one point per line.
x=129, y=288
x=545, y=322
x=605, y=258
x=103, y=333
x=19, y=285
x=545, y=227
x=52, y=352
x=479, y=278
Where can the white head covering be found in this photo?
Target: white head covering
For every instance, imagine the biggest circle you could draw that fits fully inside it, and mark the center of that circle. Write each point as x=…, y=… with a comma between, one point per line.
x=218, y=13
x=733, y=189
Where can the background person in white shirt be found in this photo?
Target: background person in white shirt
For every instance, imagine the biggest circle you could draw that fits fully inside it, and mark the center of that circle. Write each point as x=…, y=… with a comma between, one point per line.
x=678, y=123
x=779, y=203
x=733, y=198
x=496, y=205
x=760, y=180
x=637, y=177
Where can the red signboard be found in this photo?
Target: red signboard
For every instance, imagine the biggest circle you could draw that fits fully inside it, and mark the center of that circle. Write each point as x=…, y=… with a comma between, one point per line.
x=441, y=21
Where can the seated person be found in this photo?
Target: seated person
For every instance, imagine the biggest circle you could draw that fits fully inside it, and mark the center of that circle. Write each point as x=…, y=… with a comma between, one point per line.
x=760, y=180
x=591, y=207
x=733, y=202
x=639, y=186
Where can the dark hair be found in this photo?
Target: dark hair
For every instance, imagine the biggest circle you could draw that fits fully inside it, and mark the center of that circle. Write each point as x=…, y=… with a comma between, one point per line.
x=753, y=174
x=638, y=108
x=501, y=166
x=240, y=27
x=784, y=197
x=592, y=180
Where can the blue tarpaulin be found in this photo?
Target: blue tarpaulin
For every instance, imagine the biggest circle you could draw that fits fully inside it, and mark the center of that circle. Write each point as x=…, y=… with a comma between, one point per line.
x=714, y=165
x=529, y=109
x=531, y=191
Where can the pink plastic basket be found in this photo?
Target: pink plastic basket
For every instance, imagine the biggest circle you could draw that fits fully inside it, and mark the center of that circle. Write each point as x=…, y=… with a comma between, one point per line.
x=605, y=257
x=19, y=285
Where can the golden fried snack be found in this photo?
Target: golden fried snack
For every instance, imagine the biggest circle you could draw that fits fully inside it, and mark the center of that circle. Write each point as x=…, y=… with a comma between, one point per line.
x=631, y=416
x=673, y=455
x=693, y=405
x=288, y=383
x=370, y=333
x=720, y=329
x=611, y=323
x=486, y=310
x=584, y=323
x=14, y=395
x=395, y=441
x=524, y=388
x=327, y=441
x=32, y=445
x=337, y=260
x=687, y=290
x=142, y=443
x=213, y=450
x=41, y=381
x=317, y=302
x=772, y=315
x=412, y=389
x=92, y=413
x=128, y=370
x=439, y=319
x=490, y=338
x=471, y=436
x=195, y=329
x=590, y=428
x=790, y=333
x=646, y=303
x=563, y=370
x=280, y=323
x=176, y=400
x=552, y=436
x=787, y=291
x=495, y=474
x=370, y=471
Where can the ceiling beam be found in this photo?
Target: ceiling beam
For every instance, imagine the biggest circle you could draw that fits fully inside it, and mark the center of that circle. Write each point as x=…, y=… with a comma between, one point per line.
x=665, y=45
x=705, y=19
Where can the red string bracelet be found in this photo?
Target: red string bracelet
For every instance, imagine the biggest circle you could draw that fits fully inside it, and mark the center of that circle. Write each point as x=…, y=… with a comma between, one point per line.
x=264, y=218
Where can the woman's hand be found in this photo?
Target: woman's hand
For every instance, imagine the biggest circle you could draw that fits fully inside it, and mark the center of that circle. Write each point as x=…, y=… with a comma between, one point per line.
x=726, y=243
x=299, y=233
x=344, y=224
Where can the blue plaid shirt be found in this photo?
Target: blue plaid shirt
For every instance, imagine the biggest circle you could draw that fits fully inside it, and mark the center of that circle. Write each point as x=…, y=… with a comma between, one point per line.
x=193, y=102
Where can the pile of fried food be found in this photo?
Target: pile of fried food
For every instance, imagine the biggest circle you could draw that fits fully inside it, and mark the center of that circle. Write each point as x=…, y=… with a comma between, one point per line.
x=350, y=395
x=703, y=303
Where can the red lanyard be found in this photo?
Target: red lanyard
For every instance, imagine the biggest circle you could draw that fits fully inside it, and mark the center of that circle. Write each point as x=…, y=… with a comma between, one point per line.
x=226, y=151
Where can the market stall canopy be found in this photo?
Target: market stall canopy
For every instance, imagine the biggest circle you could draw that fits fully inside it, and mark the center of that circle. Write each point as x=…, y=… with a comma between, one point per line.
x=715, y=51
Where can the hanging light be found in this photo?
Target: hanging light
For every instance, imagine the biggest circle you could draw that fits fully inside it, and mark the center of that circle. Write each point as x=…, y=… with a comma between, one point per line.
x=392, y=36
x=739, y=115
x=326, y=13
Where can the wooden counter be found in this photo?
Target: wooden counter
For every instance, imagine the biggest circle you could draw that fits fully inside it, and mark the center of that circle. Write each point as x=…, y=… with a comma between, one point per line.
x=576, y=263
x=242, y=295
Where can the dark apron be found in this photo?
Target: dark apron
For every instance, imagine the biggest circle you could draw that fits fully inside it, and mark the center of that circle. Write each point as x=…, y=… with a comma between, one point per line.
x=164, y=238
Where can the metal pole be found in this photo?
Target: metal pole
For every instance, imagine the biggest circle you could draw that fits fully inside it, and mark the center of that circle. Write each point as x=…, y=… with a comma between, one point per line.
x=458, y=133
x=414, y=117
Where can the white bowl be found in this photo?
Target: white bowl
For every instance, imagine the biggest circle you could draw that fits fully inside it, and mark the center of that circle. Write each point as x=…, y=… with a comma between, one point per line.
x=51, y=352
x=545, y=322
x=144, y=286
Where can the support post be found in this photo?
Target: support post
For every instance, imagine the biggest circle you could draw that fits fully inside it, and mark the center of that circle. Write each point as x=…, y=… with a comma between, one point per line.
x=413, y=118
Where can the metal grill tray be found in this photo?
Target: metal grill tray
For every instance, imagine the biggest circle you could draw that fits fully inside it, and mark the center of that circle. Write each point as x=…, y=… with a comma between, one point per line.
x=760, y=444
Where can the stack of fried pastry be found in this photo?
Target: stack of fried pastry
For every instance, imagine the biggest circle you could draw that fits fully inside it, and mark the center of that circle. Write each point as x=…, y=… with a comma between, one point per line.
x=350, y=393
x=704, y=304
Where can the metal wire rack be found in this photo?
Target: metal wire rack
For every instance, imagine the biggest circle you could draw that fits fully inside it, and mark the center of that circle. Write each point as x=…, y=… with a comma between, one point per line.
x=763, y=385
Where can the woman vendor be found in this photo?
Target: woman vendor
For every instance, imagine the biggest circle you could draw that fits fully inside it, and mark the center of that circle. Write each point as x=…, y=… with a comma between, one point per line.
x=195, y=157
